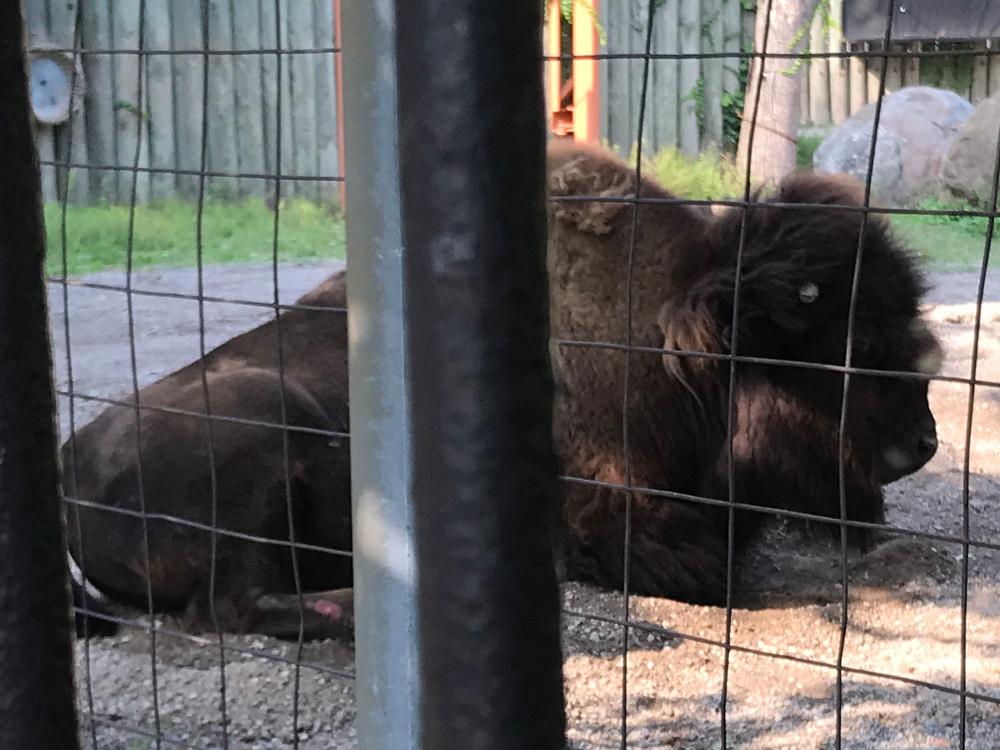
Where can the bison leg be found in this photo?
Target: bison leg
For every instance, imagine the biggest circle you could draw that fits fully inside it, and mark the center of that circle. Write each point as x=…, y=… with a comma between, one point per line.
x=324, y=614
x=676, y=550
x=327, y=614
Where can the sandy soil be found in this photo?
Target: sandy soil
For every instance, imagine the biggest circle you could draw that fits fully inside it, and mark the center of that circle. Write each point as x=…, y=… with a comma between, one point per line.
x=904, y=597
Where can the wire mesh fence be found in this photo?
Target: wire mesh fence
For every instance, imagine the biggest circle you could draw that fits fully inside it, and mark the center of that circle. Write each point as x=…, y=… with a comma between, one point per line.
x=181, y=492
x=841, y=671
x=766, y=544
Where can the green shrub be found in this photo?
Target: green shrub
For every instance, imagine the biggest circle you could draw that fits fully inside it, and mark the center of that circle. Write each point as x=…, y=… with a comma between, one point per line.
x=708, y=176
x=805, y=147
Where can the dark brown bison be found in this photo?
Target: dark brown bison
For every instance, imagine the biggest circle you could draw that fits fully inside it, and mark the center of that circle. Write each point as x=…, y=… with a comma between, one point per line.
x=253, y=563
x=796, y=278
x=797, y=272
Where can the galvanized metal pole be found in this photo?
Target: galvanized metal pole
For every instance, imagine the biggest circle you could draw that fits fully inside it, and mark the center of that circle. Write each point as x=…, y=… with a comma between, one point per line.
x=385, y=597
x=472, y=153
x=37, y=702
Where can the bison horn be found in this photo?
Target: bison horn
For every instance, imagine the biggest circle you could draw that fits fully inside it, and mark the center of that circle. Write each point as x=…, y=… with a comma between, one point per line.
x=808, y=293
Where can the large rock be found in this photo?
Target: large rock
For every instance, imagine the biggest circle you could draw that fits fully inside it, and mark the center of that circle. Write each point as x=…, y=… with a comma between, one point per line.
x=916, y=127
x=967, y=169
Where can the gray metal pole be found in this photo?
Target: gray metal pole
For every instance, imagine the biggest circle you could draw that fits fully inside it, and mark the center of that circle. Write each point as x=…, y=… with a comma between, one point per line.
x=37, y=702
x=385, y=595
x=472, y=153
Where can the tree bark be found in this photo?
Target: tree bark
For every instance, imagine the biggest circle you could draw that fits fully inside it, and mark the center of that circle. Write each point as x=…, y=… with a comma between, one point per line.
x=777, y=113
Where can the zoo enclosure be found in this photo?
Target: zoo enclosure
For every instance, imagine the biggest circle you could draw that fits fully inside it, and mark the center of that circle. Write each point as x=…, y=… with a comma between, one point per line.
x=635, y=53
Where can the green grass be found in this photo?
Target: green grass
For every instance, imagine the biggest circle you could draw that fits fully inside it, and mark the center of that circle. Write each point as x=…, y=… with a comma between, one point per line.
x=97, y=236
x=165, y=234
x=946, y=241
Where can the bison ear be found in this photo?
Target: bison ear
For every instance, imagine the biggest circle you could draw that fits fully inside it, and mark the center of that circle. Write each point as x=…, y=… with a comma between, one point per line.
x=586, y=173
x=689, y=328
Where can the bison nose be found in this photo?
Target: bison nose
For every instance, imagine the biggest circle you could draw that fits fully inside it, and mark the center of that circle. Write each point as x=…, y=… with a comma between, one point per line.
x=928, y=445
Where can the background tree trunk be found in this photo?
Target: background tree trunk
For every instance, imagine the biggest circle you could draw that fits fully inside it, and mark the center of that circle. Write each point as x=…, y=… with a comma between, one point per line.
x=778, y=112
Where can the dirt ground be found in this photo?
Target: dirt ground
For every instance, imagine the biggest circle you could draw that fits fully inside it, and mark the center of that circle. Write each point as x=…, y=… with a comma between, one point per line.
x=905, y=596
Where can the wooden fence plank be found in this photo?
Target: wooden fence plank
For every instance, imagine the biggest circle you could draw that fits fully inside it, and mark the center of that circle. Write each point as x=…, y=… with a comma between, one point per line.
x=980, y=76
x=188, y=72
x=301, y=22
x=858, y=82
x=732, y=42
x=249, y=115
x=325, y=98
x=223, y=136
x=99, y=113
x=160, y=102
x=690, y=44
x=911, y=68
x=665, y=76
x=269, y=39
x=993, y=45
x=617, y=96
x=289, y=188
x=712, y=72
x=819, y=75
x=130, y=115
x=636, y=46
x=840, y=102
x=894, y=71
x=873, y=73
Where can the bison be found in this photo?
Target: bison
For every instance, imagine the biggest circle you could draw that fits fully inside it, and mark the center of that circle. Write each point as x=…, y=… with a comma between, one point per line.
x=797, y=270
x=796, y=277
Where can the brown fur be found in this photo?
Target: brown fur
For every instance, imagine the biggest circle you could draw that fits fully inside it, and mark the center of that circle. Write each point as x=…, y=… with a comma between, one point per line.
x=785, y=436
x=786, y=420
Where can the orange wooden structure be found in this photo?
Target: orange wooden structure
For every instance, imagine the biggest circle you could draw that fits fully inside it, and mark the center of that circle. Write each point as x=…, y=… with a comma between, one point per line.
x=574, y=106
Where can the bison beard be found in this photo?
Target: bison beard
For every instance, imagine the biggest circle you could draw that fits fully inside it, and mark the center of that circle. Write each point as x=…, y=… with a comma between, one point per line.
x=796, y=279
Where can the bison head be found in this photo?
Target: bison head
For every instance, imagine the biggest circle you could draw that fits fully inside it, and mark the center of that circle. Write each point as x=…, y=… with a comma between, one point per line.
x=797, y=275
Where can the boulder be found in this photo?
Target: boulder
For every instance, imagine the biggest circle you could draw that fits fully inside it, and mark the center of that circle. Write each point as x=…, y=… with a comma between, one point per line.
x=967, y=169
x=916, y=127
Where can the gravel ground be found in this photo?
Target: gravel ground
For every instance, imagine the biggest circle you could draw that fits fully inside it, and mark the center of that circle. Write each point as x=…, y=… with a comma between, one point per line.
x=905, y=596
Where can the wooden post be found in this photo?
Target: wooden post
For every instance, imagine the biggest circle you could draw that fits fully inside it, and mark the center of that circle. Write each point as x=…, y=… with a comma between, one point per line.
x=689, y=134
x=586, y=74
x=994, y=86
x=553, y=68
x=893, y=71
x=980, y=76
x=819, y=75
x=858, y=73
x=338, y=71
x=839, y=96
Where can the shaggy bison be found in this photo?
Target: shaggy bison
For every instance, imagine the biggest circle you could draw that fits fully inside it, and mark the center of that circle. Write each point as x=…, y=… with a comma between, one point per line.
x=797, y=272
x=174, y=470
x=796, y=278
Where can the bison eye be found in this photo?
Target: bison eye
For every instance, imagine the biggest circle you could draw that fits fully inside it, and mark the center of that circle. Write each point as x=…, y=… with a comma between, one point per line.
x=808, y=293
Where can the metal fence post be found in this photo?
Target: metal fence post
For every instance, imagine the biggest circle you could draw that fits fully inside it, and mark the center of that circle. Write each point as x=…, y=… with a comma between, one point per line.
x=37, y=703
x=472, y=147
x=385, y=597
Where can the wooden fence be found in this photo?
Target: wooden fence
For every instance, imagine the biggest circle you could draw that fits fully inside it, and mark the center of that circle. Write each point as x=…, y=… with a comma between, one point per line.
x=165, y=127
x=694, y=103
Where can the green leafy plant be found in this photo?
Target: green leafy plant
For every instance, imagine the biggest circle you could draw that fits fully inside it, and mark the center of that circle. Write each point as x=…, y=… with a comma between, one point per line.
x=708, y=176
